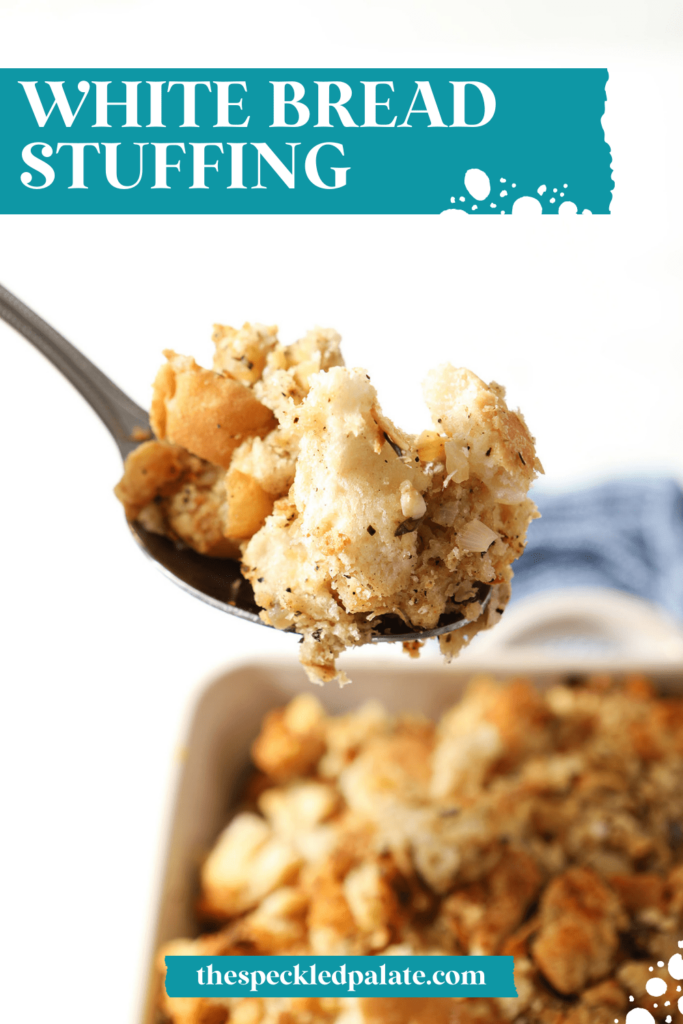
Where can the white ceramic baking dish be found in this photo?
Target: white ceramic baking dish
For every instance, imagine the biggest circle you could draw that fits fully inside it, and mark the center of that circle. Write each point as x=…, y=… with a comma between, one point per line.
x=546, y=638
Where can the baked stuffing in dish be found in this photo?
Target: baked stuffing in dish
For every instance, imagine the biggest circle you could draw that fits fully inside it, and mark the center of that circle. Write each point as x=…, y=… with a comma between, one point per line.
x=546, y=826
x=281, y=457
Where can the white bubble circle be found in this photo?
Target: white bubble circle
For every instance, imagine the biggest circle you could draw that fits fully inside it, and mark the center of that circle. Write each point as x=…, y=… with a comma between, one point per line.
x=454, y=213
x=477, y=183
x=587, y=211
x=680, y=1005
x=655, y=986
x=639, y=1015
x=541, y=189
x=676, y=966
x=527, y=205
x=567, y=208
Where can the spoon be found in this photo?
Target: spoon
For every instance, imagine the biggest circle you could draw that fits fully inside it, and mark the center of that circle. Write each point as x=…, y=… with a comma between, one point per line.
x=216, y=581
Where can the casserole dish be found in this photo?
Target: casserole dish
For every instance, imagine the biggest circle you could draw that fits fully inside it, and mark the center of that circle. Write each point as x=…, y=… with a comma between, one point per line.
x=547, y=639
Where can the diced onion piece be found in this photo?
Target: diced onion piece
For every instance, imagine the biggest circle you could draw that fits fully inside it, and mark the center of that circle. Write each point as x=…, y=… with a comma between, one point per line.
x=445, y=514
x=457, y=461
x=430, y=446
x=476, y=536
x=412, y=503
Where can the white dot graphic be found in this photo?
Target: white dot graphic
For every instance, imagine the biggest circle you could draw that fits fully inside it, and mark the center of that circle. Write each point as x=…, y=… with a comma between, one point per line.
x=675, y=966
x=462, y=199
x=660, y=963
x=552, y=200
x=541, y=189
x=452, y=199
x=503, y=193
x=655, y=986
x=477, y=183
x=567, y=207
x=527, y=205
x=639, y=1015
x=493, y=206
x=680, y=1005
x=502, y=181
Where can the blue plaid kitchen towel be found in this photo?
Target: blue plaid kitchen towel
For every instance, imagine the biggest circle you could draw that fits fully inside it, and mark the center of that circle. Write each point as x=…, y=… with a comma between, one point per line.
x=625, y=534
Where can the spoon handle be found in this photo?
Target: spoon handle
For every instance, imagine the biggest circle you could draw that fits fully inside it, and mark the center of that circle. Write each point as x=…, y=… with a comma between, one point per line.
x=117, y=411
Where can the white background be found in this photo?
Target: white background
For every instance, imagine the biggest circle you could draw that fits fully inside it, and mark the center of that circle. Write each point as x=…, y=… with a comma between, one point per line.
x=579, y=317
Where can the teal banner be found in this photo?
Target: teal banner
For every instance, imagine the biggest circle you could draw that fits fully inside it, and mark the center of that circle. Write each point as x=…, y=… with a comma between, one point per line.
x=404, y=976
x=325, y=141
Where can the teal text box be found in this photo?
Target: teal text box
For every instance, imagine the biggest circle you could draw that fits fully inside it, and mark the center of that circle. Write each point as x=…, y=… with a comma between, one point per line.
x=208, y=141
x=340, y=976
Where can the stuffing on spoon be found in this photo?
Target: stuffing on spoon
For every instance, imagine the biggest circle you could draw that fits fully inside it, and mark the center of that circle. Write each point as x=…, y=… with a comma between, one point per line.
x=281, y=456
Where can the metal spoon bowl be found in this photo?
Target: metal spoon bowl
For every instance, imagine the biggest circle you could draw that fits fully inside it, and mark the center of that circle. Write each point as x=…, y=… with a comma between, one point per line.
x=216, y=581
